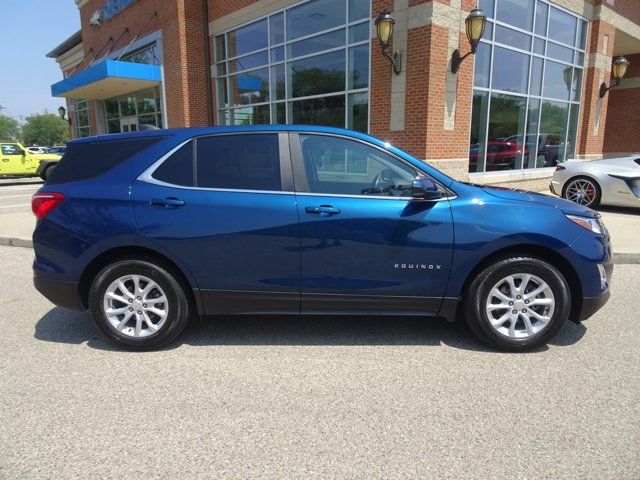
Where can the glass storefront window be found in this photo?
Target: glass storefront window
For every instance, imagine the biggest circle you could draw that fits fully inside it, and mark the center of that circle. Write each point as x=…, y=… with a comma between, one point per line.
x=527, y=86
x=147, y=55
x=81, y=122
x=127, y=112
x=298, y=65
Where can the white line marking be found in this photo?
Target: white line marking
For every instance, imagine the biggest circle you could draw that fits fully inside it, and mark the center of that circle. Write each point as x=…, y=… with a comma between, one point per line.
x=9, y=206
x=15, y=196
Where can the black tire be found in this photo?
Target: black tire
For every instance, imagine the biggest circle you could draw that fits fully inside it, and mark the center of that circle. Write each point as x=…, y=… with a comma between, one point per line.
x=179, y=305
x=598, y=191
x=478, y=291
x=47, y=172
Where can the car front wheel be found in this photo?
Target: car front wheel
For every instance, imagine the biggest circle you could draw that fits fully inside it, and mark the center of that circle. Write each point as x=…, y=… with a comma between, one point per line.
x=518, y=303
x=138, y=304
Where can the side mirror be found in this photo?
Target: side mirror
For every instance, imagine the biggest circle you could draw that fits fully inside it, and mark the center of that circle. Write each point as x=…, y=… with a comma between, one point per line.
x=426, y=189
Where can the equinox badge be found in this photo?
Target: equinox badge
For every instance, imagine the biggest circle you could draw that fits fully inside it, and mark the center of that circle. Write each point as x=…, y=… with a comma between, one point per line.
x=417, y=266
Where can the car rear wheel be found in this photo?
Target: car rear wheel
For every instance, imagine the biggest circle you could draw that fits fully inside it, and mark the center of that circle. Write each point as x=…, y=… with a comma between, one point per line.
x=584, y=191
x=517, y=303
x=138, y=304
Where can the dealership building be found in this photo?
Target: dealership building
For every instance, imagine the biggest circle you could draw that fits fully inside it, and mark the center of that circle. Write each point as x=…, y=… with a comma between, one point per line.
x=531, y=96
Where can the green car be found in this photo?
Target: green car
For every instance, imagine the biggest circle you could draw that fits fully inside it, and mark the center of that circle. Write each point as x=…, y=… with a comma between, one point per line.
x=16, y=161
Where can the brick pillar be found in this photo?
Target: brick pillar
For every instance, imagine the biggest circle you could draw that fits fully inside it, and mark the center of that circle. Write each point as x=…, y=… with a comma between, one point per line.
x=185, y=66
x=426, y=110
x=623, y=113
x=591, y=129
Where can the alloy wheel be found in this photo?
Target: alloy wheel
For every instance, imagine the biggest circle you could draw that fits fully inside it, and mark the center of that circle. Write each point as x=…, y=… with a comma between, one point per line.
x=520, y=306
x=581, y=191
x=135, y=306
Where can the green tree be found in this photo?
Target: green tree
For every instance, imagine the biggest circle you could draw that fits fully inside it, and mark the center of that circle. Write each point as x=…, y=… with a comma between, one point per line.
x=45, y=129
x=9, y=128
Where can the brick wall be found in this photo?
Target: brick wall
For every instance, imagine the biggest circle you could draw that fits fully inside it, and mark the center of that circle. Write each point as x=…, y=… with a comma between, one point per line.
x=183, y=29
x=623, y=115
x=591, y=126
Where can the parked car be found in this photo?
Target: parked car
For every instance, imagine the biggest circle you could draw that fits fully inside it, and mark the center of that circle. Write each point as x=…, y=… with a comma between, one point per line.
x=57, y=150
x=164, y=225
x=501, y=155
x=17, y=161
x=37, y=150
x=615, y=181
x=549, y=148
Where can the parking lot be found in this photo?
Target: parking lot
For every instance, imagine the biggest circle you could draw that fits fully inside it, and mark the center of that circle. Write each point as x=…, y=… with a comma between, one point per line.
x=315, y=397
x=15, y=195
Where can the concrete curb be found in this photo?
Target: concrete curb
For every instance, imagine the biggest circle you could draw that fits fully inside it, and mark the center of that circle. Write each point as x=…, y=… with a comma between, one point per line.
x=618, y=258
x=16, y=242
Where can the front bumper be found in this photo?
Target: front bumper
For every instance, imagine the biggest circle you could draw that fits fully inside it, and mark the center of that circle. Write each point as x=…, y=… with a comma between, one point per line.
x=591, y=305
x=62, y=294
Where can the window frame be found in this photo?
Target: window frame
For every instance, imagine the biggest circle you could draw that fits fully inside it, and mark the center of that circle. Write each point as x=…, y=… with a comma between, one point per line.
x=223, y=77
x=583, y=26
x=284, y=158
x=302, y=183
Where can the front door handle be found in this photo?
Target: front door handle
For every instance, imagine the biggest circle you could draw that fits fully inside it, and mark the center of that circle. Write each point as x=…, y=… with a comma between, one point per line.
x=170, y=202
x=323, y=210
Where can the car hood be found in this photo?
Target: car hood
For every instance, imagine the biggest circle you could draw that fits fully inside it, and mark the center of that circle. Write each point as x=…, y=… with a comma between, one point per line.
x=45, y=156
x=540, y=198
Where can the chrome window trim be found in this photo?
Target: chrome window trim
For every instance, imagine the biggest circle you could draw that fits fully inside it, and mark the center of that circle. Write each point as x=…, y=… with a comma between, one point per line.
x=383, y=150
x=147, y=175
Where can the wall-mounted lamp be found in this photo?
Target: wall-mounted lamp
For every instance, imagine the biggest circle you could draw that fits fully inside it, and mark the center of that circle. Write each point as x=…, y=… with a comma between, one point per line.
x=62, y=112
x=619, y=69
x=384, y=29
x=474, y=25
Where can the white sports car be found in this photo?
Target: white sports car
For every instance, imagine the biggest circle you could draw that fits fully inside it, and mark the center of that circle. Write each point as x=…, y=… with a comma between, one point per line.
x=615, y=181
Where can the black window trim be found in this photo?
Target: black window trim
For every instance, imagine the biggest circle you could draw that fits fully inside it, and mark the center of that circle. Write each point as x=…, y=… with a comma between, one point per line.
x=300, y=175
x=286, y=175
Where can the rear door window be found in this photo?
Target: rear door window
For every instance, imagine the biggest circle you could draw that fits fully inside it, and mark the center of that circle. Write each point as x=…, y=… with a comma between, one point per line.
x=85, y=160
x=238, y=162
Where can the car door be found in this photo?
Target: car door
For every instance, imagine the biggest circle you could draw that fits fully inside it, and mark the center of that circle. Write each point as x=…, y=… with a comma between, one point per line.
x=12, y=159
x=224, y=207
x=366, y=245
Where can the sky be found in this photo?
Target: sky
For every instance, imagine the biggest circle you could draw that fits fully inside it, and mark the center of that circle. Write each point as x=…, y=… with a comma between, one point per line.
x=31, y=29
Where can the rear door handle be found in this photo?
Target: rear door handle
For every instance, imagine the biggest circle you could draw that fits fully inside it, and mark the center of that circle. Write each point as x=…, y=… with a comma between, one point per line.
x=170, y=202
x=323, y=210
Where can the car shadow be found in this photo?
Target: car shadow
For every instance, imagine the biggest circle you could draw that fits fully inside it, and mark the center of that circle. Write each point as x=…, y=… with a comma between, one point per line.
x=65, y=326
x=622, y=210
x=18, y=184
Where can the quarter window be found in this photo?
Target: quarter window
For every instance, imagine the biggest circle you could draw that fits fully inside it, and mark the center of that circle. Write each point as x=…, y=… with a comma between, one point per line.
x=239, y=162
x=178, y=168
x=344, y=167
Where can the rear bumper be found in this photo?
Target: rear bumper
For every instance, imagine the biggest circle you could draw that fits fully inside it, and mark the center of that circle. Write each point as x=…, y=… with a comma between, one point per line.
x=62, y=294
x=554, y=187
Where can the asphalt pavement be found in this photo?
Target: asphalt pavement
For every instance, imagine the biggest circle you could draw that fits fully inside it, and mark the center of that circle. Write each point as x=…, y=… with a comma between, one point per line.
x=15, y=194
x=315, y=397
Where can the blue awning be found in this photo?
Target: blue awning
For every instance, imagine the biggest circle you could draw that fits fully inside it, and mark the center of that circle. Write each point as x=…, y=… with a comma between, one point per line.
x=108, y=79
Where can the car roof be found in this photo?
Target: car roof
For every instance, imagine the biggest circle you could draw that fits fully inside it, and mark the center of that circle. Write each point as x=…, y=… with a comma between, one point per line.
x=197, y=131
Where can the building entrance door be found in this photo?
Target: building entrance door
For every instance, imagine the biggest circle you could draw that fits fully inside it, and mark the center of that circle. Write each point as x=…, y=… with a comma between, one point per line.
x=129, y=124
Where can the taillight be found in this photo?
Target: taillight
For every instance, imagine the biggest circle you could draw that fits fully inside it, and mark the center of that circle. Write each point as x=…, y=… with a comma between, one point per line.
x=43, y=203
x=559, y=168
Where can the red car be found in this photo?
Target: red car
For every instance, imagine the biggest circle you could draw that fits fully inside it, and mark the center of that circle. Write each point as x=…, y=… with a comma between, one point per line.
x=501, y=155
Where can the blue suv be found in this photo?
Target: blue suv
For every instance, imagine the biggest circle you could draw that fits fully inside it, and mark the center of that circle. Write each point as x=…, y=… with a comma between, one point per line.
x=151, y=228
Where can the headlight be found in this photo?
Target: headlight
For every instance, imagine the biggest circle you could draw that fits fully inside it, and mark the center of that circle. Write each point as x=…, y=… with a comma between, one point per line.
x=591, y=224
